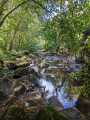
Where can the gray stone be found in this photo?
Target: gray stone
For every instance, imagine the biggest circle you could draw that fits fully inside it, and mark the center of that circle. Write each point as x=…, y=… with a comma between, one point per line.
x=55, y=102
x=71, y=113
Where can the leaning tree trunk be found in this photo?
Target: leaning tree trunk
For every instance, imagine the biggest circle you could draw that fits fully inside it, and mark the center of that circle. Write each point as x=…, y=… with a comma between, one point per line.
x=11, y=44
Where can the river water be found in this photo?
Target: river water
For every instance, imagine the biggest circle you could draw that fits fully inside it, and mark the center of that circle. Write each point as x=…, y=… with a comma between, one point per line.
x=55, y=70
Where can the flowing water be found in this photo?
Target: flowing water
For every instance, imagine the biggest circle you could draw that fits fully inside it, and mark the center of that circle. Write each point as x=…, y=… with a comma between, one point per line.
x=55, y=78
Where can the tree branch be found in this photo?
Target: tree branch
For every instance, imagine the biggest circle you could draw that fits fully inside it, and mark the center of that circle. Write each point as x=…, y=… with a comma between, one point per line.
x=18, y=7
x=11, y=12
x=2, y=4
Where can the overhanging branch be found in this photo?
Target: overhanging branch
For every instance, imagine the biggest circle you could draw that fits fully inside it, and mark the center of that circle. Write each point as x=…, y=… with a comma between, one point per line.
x=11, y=12
x=18, y=7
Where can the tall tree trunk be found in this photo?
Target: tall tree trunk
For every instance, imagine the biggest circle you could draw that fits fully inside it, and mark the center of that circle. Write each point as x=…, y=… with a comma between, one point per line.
x=8, y=35
x=11, y=44
x=19, y=39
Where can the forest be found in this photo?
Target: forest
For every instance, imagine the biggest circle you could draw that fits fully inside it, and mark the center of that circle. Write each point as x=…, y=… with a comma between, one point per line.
x=44, y=60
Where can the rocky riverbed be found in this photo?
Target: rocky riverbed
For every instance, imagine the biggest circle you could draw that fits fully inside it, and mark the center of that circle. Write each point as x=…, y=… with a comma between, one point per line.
x=34, y=81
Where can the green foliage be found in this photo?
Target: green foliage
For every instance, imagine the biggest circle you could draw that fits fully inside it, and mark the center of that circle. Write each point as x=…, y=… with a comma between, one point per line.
x=82, y=78
x=25, y=35
x=49, y=113
x=16, y=113
x=3, y=72
x=65, y=27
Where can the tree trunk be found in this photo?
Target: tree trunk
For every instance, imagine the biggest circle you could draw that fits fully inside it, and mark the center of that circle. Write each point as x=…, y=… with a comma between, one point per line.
x=11, y=44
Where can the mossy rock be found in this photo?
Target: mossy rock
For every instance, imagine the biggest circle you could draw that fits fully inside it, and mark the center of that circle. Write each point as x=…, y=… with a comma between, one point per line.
x=49, y=113
x=16, y=113
x=11, y=66
x=20, y=72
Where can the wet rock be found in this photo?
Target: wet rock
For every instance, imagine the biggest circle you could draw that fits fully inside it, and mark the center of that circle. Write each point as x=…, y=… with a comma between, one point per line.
x=35, y=67
x=55, y=102
x=11, y=66
x=71, y=113
x=49, y=113
x=83, y=104
x=43, y=71
x=19, y=90
x=20, y=72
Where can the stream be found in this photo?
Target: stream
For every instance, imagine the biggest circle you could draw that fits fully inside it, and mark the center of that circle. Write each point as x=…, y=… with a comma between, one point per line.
x=55, y=69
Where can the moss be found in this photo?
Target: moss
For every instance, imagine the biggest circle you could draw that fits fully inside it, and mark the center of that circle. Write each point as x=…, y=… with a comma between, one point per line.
x=20, y=72
x=49, y=113
x=16, y=113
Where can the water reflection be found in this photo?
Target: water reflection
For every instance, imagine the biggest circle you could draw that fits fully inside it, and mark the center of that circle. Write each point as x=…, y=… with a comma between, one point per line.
x=66, y=100
x=56, y=82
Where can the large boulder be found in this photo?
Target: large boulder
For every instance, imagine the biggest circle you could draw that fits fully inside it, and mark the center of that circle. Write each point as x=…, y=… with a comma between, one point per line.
x=20, y=72
x=19, y=90
x=55, y=102
x=83, y=104
x=49, y=113
x=71, y=113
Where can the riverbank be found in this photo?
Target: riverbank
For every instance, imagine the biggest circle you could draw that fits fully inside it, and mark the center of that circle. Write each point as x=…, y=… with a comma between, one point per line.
x=33, y=81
